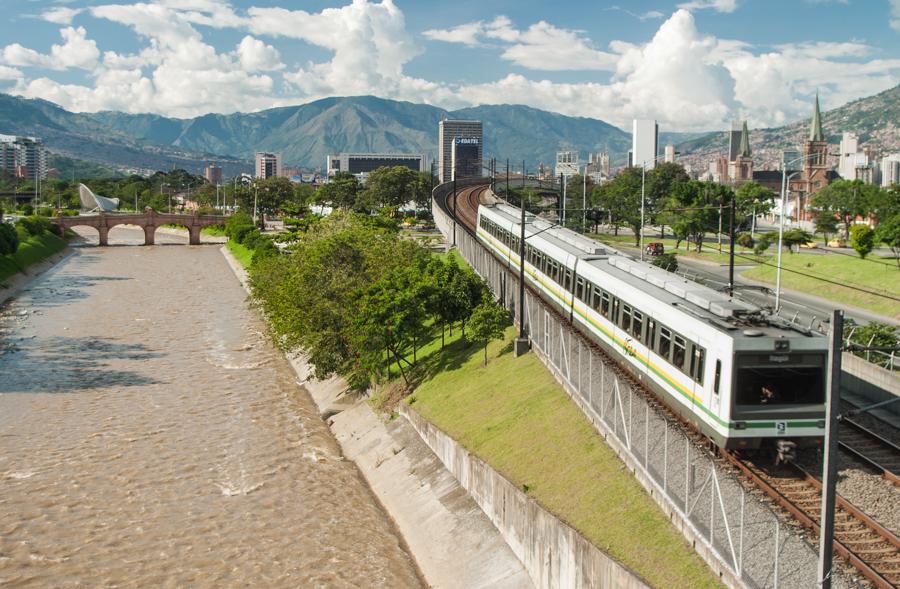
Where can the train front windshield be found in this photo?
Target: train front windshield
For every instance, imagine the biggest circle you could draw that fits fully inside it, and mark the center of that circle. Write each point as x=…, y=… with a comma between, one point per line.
x=775, y=379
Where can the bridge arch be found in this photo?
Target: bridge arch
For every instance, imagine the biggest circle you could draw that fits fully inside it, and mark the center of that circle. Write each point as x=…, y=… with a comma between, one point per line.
x=149, y=221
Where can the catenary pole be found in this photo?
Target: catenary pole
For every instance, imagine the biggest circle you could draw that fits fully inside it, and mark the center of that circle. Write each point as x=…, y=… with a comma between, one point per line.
x=829, y=467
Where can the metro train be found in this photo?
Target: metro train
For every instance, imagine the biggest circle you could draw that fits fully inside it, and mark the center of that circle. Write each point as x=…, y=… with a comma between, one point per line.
x=742, y=377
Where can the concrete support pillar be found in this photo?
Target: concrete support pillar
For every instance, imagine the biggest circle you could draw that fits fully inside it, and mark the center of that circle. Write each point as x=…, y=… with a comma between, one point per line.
x=104, y=235
x=194, y=232
x=149, y=234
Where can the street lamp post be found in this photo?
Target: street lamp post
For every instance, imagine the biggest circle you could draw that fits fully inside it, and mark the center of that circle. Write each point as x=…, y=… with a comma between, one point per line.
x=785, y=177
x=643, y=181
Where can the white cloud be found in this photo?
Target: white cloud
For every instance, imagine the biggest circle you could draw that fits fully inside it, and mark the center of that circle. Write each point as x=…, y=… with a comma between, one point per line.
x=717, y=5
x=895, y=14
x=77, y=51
x=256, y=56
x=10, y=73
x=541, y=46
x=61, y=15
x=648, y=15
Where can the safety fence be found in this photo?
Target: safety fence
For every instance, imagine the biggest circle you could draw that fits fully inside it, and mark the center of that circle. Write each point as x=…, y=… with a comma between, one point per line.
x=740, y=537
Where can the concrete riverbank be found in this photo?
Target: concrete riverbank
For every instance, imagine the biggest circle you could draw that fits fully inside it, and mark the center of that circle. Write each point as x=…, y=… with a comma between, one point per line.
x=451, y=539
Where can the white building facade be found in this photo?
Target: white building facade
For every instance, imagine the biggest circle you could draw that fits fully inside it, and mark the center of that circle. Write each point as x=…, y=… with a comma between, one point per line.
x=644, y=143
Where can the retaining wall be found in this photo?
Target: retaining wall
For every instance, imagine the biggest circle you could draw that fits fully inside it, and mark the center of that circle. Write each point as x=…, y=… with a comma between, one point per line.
x=870, y=381
x=554, y=554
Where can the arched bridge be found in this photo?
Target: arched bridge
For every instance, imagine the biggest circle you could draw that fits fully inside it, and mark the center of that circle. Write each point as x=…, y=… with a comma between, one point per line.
x=149, y=221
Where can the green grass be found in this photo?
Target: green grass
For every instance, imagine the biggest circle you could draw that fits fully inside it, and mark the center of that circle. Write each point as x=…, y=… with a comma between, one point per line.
x=876, y=274
x=31, y=251
x=214, y=230
x=710, y=251
x=243, y=254
x=514, y=415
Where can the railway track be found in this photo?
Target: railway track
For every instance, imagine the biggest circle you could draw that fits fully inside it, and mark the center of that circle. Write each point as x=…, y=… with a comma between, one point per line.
x=861, y=541
x=868, y=546
x=871, y=449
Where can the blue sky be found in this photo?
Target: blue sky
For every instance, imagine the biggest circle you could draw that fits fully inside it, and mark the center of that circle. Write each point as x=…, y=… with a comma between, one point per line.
x=691, y=64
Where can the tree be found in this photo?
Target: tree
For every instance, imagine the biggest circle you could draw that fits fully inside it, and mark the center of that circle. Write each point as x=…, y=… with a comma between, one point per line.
x=689, y=211
x=752, y=199
x=487, y=323
x=862, y=239
x=888, y=233
x=668, y=262
x=793, y=237
x=388, y=187
x=341, y=190
x=9, y=239
x=847, y=199
x=622, y=198
x=826, y=224
x=762, y=244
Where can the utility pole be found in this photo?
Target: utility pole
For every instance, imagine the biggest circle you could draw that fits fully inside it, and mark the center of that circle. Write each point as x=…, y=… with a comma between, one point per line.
x=507, y=179
x=731, y=247
x=521, y=343
x=454, y=209
x=829, y=467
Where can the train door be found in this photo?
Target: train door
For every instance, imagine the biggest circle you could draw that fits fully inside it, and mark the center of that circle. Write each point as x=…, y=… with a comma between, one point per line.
x=695, y=368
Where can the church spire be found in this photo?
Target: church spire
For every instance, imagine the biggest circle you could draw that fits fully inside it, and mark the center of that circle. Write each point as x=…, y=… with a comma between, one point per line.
x=744, y=149
x=815, y=128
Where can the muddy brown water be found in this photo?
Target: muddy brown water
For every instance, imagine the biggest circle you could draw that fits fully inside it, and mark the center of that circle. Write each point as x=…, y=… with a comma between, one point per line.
x=150, y=436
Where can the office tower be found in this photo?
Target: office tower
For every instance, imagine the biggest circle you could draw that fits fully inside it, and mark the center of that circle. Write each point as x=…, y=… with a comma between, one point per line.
x=448, y=131
x=644, y=143
x=267, y=164
x=213, y=174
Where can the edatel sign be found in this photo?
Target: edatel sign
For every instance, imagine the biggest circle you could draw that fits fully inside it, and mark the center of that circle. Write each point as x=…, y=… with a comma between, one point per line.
x=466, y=140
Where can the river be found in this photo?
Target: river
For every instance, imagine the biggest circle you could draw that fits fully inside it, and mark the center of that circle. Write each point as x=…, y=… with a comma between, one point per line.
x=151, y=436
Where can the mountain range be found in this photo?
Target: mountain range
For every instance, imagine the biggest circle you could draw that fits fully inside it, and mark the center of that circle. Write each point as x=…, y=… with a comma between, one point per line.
x=307, y=133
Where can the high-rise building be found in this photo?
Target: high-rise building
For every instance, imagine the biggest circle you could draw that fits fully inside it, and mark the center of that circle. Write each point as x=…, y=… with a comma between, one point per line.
x=465, y=158
x=890, y=170
x=448, y=131
x=644, y=143
x=23, y=157
x=267, y=164
x=848, y=156
x=213, y=174
x=598, y=167
x=567, y=163
x=670, y=154
x=734, y=140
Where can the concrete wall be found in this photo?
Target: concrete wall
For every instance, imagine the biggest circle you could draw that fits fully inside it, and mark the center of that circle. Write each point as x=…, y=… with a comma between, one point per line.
x=554, y=554
x=870, y=381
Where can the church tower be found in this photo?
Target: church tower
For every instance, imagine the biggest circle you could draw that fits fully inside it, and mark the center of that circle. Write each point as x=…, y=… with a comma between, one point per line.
x=742, y=166
x=815, y=166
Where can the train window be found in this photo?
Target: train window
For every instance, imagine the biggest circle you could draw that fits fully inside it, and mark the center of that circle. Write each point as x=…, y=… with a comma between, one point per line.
x=579, y=288
x=552, y=269
x=718, y=376
x=595, y=298
x=568, y=284
x=637, y=325
x=651, y=333
x=678, y=351
x=625, y=319
x=696, y=369
x=761, y=382
x=665, y=342
x=604, y=305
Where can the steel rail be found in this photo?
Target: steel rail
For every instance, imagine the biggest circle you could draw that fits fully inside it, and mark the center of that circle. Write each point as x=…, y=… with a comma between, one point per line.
x=885, y=575
x=862, y=436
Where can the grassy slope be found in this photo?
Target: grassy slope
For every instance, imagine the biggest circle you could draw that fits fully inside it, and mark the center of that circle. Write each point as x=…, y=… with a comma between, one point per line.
x=241, y=253
x=875, y=274
x=514, y=415
x=31, y=251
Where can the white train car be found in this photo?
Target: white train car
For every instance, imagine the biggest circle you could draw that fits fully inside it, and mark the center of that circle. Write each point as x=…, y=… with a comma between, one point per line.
x=739, y=376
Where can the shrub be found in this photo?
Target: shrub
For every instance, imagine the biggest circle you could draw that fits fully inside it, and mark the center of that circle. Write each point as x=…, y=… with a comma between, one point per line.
x=237, y=220
x=34, y=225
x=44, y=212
x=27, y=209
x=240, y=233
x=762, y=244
x=862, y=239
x=265, y=248
x=667, y=262
x=744, y=239
x=9, y=239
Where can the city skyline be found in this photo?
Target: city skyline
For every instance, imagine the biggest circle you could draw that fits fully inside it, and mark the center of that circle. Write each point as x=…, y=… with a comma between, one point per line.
x=691, y=65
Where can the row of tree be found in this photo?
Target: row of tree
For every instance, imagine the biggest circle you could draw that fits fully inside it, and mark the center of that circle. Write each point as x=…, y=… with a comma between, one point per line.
x=358, y=298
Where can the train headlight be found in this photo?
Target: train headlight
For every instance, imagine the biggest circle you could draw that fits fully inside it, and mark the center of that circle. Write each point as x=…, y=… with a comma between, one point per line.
x=782, y=345
x=820, y=424
x=740, y=425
